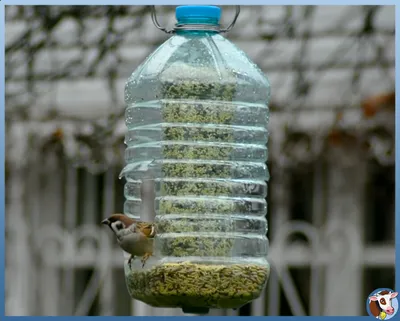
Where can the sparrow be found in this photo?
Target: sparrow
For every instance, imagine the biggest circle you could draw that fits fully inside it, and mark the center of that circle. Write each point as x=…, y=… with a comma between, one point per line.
x=134, y=237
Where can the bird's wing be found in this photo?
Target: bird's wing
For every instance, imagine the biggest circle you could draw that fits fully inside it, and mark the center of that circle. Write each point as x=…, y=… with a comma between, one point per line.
x=148, y=229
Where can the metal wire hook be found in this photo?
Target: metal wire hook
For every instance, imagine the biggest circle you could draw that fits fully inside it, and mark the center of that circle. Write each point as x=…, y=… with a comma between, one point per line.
x=158, y=26
x=233, y=21
x=155, y=21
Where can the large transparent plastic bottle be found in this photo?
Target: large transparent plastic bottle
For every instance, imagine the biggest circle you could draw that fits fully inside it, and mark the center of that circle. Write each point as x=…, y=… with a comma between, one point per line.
x=197, y=115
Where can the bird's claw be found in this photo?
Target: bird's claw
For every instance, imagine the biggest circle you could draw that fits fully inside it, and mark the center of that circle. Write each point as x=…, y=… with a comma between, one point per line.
x=130, y=262
x=145, y=258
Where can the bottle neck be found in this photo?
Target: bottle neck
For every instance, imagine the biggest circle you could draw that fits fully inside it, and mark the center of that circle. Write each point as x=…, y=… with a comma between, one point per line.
x=196, y=25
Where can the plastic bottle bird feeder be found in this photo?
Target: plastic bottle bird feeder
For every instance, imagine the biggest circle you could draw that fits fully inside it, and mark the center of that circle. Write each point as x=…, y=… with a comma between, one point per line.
x=197, y=120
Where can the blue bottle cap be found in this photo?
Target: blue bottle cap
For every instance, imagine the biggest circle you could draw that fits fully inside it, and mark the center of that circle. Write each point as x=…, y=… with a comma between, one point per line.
x=198, y=12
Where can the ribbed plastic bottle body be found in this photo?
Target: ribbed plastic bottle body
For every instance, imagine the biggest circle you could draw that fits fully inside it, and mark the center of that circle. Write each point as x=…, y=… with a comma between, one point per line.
x=197, y=119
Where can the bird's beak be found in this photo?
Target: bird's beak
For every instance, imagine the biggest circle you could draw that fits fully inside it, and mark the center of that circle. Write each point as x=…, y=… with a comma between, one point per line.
x=105, y=222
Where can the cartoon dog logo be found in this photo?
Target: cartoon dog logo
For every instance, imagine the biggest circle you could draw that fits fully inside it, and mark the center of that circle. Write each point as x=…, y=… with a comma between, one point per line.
x=382, y=304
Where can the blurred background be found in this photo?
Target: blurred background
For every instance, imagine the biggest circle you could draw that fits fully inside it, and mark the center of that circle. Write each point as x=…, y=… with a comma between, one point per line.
x=331, y=199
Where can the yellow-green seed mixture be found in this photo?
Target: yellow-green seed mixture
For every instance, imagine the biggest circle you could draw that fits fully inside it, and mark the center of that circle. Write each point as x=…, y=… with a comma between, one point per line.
x=193, y=103
x=196, y=285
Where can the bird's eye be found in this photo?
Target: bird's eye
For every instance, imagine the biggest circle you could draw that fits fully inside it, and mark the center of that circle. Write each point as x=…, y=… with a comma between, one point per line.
x=117, y=226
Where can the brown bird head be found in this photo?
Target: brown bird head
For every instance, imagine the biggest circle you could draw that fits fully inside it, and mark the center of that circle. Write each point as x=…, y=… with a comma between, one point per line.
x=117, y=222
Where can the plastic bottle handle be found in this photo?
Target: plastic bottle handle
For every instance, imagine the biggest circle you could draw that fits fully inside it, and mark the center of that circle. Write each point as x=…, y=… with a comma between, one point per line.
x=155, y=21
